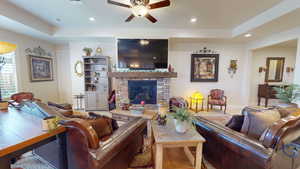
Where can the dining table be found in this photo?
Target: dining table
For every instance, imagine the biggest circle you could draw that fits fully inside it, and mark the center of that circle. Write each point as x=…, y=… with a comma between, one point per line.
x=21, y=132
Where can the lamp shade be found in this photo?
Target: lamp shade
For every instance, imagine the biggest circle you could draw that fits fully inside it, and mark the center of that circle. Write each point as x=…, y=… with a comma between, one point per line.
x=6, y=47
x=197, y=97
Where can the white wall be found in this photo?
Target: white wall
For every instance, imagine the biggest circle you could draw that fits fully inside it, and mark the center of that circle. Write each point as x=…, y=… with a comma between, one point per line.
x=180, y=58
x=64, y=73
x=259, y=60
x=76, y=53
x=47, y=91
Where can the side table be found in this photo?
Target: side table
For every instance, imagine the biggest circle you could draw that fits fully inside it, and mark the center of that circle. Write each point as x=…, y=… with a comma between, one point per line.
x=167, y=137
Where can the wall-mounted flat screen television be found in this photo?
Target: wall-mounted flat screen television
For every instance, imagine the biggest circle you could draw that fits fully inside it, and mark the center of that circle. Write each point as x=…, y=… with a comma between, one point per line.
x=143, y=53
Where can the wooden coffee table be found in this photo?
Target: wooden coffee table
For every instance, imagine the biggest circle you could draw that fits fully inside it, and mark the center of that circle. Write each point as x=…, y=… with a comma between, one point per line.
x=167, y=137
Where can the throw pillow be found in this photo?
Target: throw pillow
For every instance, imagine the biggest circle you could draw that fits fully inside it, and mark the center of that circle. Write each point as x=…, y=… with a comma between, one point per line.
x=255, y=123
x=236, y=122
x=102, y=126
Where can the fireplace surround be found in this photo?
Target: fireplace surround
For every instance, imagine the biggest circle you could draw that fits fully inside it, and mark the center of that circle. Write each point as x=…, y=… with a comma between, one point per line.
x=162, y=85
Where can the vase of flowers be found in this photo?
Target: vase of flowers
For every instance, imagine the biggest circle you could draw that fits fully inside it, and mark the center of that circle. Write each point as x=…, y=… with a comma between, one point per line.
x=183, y=119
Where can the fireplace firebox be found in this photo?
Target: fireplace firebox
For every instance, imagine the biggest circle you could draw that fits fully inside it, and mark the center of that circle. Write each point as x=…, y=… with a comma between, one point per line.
x=142, y=90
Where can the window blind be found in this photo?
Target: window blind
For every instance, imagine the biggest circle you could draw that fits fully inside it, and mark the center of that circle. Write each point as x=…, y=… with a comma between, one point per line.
x=8, y=80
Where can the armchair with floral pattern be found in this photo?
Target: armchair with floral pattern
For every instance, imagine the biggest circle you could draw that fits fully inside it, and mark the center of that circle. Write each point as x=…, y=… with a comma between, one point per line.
x=217, y=98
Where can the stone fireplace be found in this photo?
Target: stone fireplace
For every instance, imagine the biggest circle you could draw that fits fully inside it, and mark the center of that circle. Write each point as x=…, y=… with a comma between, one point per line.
x=123, y=93
x=132, y=87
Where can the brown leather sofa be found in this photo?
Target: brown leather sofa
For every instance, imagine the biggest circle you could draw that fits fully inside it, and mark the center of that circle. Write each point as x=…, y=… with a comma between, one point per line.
x=87, y=149
x=229, y=149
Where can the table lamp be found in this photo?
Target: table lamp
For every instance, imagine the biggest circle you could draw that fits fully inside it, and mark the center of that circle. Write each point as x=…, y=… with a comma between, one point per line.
x=195, y=101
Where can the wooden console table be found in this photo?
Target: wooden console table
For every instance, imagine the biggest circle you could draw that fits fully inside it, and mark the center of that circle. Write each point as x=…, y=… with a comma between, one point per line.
x=267, y=92
x=21, y=132
x=167, y=137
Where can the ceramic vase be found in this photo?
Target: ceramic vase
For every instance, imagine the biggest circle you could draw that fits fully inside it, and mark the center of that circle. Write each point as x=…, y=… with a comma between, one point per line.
x=181, y=126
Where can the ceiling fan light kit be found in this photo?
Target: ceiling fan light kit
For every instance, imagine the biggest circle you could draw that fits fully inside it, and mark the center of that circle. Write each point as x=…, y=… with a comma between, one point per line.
x=141, y=8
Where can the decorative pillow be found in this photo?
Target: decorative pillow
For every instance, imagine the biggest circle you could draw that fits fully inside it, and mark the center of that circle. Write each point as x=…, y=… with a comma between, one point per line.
x=255, y=123
x=102, y=126
x=236, y=122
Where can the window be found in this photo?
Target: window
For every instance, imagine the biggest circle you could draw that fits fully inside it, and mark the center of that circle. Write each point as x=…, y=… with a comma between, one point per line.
x=8, y=80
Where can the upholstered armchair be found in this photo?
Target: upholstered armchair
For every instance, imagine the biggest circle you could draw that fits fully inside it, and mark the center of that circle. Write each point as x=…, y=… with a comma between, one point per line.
x=217, y=98
x=18, y=98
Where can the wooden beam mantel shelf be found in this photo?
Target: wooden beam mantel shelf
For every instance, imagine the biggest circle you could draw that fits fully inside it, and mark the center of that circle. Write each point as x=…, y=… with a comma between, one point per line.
x=142, y=74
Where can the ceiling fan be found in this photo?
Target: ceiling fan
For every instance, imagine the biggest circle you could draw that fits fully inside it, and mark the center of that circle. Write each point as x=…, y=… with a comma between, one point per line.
x=140, y=8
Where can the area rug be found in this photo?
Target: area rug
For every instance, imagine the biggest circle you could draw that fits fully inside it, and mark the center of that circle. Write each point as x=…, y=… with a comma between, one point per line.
x=31, y=161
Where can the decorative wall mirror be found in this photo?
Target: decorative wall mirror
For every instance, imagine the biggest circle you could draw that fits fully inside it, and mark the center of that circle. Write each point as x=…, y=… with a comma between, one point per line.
x=78, y=68
x=275, y=68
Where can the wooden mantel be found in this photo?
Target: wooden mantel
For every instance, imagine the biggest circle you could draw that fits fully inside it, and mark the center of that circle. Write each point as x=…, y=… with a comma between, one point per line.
x=142, y=74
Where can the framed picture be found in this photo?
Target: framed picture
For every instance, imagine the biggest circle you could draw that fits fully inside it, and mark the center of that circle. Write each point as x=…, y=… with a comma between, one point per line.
x=41, y=68
x=205, y=68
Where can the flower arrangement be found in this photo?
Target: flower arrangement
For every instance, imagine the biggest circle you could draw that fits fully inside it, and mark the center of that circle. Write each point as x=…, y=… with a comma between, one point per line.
x=183, y=119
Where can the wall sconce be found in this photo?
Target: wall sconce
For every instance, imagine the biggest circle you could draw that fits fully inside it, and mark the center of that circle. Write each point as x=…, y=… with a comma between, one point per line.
x=195, y=101
x=290, y=69
x=232, y=68
x=262, y=69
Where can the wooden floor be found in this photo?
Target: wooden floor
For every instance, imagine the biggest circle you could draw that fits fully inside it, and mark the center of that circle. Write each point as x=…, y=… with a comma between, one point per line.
x=175, y=158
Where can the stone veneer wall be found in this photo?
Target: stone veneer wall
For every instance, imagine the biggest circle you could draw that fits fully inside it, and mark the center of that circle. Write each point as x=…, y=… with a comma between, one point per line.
x=163, y=90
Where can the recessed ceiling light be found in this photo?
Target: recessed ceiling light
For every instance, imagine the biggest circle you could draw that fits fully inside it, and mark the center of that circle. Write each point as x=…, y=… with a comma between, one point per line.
x=76, y=2
x=92, y=19
x=193, y=20
x=248, y=35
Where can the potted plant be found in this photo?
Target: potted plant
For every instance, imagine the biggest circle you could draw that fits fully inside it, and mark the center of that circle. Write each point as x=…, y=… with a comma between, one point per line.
x=88, y=51
x=288, y=95
x=183, y=119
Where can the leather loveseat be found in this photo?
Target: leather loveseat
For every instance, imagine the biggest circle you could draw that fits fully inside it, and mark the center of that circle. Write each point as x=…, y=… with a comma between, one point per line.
x=229, y=149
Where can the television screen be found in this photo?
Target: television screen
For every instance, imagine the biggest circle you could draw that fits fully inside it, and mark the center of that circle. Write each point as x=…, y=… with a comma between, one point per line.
x=143, y=53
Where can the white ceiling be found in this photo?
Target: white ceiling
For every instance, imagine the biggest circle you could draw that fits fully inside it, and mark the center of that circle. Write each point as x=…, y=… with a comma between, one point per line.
x=216, y=18
x=211, y=14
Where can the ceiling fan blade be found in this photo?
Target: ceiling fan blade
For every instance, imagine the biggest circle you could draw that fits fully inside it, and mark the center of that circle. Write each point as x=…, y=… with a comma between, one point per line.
x=160, y=4
x=129, y=18
x=151, y=18
x=118, y=4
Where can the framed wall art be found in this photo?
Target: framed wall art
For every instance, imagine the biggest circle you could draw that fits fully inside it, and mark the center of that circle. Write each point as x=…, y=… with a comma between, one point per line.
x=41, y=68
x=205, y=68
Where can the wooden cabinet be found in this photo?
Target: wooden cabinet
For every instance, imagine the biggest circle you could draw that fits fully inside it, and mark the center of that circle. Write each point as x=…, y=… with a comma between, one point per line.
x=97, y=82
x=267, y=92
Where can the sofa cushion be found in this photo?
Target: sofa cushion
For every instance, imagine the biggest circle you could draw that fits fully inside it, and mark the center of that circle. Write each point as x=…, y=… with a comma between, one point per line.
x=236, y=122
x=255, y=123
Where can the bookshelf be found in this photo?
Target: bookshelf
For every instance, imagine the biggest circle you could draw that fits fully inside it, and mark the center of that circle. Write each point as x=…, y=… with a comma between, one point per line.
x=96, y=82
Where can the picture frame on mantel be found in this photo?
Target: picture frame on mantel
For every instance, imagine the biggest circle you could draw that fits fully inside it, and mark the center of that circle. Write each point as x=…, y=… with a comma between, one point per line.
x=204, y=67
x=41, y=68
